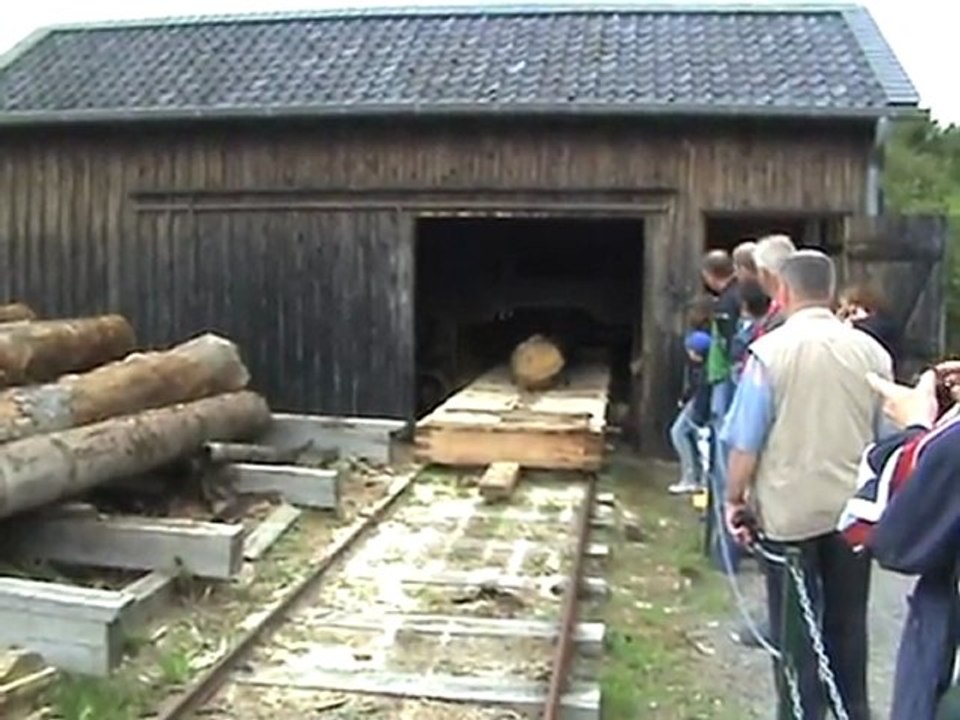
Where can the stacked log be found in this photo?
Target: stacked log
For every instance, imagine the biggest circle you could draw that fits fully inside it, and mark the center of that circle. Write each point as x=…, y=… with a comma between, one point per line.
x=536, y=363
x=205, y=366
x=13, y=312
x=43, y=350
x=39, y=470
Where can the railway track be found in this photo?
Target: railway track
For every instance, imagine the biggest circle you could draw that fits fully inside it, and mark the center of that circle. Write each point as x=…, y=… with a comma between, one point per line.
x=434, y=606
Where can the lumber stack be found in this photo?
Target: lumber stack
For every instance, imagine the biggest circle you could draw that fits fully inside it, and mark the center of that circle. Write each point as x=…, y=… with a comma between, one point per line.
x=492, y=420
x=80, y=409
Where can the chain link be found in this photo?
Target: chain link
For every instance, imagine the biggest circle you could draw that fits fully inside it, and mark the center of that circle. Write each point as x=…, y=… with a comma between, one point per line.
x=813, y=628
x=793, y=687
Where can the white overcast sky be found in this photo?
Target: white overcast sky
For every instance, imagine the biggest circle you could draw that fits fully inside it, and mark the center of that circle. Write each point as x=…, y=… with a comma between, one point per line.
x=923, y=33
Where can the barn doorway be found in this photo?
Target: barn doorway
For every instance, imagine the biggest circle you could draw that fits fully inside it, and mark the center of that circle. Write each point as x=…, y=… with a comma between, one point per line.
x=486, y=283
x=727, y=230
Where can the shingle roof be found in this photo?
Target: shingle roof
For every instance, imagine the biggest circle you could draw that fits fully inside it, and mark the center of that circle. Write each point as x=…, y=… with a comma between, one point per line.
x=628, y=59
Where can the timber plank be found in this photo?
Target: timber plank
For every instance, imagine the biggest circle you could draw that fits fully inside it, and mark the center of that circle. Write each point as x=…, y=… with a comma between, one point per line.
x=204, y=549
x=366, y=438
x=269, y=531
x=73, y=628
x=499, y=481
x=303, y=486
x=588, y=635
x=491, y=420
x=581, y=701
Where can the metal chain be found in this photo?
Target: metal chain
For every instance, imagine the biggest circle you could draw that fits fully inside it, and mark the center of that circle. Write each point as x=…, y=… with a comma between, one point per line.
x=813, y=628
x=793, y=686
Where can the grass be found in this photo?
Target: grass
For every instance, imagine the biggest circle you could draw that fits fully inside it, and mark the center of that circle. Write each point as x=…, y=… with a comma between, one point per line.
x=663, y=590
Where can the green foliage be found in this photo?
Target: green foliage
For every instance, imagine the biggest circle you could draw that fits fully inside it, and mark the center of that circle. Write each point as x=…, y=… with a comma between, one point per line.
x=923, y=176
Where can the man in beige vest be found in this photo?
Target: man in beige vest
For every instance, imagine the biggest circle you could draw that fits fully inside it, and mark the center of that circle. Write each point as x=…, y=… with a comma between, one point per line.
x=803, y=414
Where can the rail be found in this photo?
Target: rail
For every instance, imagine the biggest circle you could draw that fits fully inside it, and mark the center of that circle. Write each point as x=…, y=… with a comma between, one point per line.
x=563, y=655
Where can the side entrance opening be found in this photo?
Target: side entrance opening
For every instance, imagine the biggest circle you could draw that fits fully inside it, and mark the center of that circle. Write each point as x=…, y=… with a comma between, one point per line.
x=727, y=230
x=485, y=284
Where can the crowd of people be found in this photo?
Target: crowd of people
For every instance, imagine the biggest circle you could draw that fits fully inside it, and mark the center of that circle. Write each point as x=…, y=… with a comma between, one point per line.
x=792, y=420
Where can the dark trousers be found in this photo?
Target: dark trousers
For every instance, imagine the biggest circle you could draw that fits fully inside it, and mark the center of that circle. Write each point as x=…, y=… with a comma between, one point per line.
x=838, y=583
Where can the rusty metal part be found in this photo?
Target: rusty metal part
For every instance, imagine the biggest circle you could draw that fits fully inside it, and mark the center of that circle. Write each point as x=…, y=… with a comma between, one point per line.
x=193, y=698
x=563, y=654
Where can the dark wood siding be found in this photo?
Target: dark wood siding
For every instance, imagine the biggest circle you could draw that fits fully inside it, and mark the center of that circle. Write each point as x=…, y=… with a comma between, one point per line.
x=296, y=240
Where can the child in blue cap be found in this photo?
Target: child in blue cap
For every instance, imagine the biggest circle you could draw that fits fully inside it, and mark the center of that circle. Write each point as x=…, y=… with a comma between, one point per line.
x=694, y=413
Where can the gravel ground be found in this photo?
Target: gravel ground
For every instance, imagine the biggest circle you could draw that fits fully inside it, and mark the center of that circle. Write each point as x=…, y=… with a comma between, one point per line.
x=748, y=671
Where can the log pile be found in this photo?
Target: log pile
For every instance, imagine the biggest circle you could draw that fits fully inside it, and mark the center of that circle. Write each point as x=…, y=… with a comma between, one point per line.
x=79, y=408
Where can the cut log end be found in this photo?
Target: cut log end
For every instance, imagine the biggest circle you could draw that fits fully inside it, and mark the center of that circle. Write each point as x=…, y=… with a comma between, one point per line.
x=536, y=363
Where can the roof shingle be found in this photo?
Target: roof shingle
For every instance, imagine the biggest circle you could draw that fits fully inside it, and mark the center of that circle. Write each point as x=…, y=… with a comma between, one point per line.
x=626, y=60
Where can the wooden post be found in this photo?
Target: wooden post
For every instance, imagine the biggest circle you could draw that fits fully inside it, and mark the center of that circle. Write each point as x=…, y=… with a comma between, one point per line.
x=44, y=468
x=44, y=350
x=499, y=480
x=207, y=365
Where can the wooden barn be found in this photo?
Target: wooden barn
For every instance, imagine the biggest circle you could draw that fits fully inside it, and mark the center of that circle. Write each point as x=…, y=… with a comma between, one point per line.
x=376, y=205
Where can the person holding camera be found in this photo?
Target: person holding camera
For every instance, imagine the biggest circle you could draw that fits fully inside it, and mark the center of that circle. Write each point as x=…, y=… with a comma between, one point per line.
x=906, y=515
x=802, y=415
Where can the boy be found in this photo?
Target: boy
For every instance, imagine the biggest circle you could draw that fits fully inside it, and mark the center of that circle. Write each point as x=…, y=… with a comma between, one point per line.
x=694, y=414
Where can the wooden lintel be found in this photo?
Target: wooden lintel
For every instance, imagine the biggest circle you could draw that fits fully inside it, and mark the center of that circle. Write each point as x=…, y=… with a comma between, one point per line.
x=581, y=702
x=303, y=486
x=366, y=438
x=74, y=629
x=588, y=635
x=210, y=550
x=269, y=531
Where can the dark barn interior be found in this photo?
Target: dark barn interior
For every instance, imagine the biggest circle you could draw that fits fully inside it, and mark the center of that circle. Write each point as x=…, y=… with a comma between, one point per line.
x=727, y=230
x=486, y=283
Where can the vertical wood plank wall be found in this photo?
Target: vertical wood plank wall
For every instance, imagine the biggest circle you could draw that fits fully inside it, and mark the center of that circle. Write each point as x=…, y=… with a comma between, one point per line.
x=321, y=301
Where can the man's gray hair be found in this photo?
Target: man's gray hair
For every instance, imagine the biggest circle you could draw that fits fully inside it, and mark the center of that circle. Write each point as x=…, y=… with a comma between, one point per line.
x=810, y=274
x=743, y=256
x=771, y=252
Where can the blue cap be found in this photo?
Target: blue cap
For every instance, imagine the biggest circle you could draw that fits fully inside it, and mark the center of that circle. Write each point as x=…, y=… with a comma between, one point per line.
x=698, y=342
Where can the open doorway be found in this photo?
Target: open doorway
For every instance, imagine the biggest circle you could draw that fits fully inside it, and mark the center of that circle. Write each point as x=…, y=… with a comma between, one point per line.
x=727, y=230
x=486, y=283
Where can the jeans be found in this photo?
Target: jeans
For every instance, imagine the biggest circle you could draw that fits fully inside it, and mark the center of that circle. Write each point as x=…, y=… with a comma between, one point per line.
x=721, y=541
x=682, y=435
x=838, y=583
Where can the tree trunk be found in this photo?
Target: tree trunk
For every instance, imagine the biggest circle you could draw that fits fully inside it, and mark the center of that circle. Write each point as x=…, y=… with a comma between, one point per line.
x=12, y=312
x=207, y=365
x=42, y=469
x=42, y=351
x=536, y=363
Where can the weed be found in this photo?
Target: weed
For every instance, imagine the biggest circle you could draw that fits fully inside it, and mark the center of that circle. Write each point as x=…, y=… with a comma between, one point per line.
x=174, y=667
x=77, y=698
x=662, y=589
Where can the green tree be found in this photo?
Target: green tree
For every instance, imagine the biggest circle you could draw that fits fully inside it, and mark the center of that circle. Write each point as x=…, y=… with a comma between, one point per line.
x=922, y=175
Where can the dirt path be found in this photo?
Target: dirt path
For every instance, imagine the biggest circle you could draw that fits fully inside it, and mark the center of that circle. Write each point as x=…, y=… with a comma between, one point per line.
x=749, y=670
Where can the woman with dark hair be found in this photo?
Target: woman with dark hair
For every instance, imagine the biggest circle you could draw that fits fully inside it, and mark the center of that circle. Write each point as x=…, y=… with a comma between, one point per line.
x=863, y=308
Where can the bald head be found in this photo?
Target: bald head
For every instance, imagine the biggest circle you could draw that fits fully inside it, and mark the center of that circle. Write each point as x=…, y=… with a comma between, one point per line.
x=809, y=278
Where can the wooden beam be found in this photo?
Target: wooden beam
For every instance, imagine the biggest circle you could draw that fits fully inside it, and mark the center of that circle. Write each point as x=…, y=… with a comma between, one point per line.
x=499, y=481
x=152, y=595
x=490, y=578
x=581, y=702
x=209, y=550
x=269, y=531
x=307, y=487
x=588, y=635
x=366, y=438
x=74, y=629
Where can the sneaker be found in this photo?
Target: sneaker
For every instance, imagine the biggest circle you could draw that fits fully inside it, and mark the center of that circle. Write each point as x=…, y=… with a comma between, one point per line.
x=684, y=487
